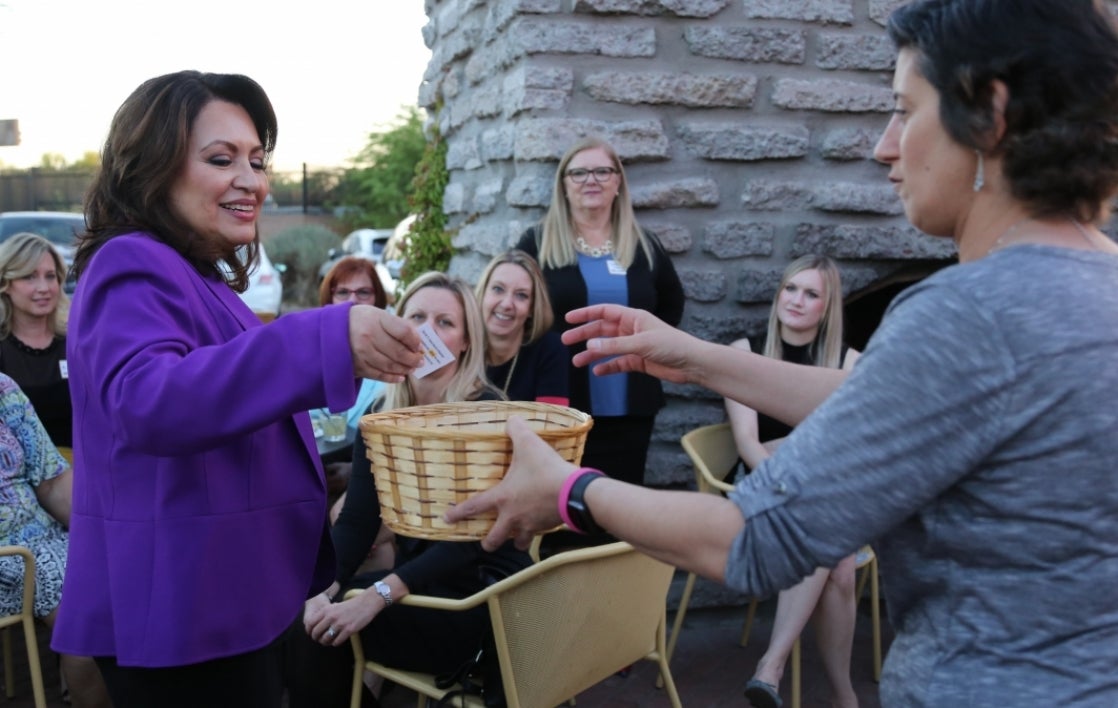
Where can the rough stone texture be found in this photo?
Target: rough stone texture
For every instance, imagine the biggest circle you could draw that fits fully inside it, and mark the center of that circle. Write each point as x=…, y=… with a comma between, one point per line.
x=685, y=192
x=849, y=144
x=537, y=88
x=549, y=138
x=673, y=237
x=857, y=198
x=832, y=95
x=869, y=242
x=753, y=44
x=722, y=90
x=703, y=285
x=611, y=40
x=879, y=9
x=830, y=11
x=735, y=239
x=746, y=128
x=733, y=141
x=840, y=51
x=679, y=8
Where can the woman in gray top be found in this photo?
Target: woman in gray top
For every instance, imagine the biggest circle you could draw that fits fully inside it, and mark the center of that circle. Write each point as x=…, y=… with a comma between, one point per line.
x=974, y=441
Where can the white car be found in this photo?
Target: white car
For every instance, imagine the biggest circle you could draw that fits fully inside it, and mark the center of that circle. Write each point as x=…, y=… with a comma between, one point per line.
x=368, y=244
x=265, y=287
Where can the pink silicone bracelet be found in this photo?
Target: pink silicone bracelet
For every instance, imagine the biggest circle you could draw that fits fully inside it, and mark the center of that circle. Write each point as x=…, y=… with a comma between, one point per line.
x=565, y=494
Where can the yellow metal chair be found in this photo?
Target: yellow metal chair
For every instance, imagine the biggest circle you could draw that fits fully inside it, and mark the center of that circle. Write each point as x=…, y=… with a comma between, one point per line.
x=714, y=456
x=27, y=618
x=560, y=626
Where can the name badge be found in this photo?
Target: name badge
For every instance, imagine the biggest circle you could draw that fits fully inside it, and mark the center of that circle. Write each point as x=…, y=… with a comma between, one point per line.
x=63, y=369
x=614, y=267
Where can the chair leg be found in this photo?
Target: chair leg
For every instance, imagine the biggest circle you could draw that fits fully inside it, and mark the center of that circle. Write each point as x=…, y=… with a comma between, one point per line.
x=796, y=674
x=748, y=626
x=9, y=678
x=33, y=661
x=677, y=624
x=358, y=672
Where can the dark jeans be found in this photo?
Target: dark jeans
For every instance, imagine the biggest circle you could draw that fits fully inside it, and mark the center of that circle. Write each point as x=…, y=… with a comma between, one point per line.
x=251, y=680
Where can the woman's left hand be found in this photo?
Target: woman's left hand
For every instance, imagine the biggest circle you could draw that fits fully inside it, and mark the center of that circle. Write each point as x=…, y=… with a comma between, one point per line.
x=336, y=622
x=526, y=499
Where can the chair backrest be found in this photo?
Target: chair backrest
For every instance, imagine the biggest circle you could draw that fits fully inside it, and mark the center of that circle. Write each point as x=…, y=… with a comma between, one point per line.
x=580, y=617
x=28, y=599
x=713, y=454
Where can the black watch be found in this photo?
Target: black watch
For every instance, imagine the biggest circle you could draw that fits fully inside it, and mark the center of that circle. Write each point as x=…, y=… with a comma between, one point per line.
x=577, y=509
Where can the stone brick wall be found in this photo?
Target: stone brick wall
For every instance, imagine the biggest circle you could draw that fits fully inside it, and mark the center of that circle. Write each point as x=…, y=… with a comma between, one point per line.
x=746, y=127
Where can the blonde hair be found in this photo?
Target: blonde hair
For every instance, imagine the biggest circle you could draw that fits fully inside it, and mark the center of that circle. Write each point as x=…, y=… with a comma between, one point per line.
x=541, y=317
x=558, y=233
x=826, y=348
x=469, y=381
x=19, y=257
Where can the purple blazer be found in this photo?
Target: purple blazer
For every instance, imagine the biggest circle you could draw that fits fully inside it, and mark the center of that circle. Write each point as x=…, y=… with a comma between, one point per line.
x=199, y=513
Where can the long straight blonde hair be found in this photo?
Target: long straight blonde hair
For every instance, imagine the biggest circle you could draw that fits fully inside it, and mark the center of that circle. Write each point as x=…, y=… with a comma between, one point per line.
x=20, y=256
x=540, y=316
x=469, y=381
x=557, y=240
x=826, y=348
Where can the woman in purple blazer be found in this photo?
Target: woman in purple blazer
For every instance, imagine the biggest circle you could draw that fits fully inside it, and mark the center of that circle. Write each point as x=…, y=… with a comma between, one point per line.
x=199, y=506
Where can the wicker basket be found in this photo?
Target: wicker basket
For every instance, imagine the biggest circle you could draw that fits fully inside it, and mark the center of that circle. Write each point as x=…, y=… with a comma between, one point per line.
x=425, y=458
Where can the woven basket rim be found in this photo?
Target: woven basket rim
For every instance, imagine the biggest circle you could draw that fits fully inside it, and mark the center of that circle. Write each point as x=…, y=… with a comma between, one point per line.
x=389, y=422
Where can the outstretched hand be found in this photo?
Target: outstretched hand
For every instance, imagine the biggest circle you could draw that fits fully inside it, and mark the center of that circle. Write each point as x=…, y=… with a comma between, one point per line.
x=526, y=500
x=637, y=339
x=384, y=346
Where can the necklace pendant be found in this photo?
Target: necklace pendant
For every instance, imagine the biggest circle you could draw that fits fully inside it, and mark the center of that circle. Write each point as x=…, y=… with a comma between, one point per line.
x=594, y=251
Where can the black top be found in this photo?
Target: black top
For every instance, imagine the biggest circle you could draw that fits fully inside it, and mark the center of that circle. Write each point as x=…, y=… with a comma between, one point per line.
x=540, y=371
x=40, y=373
x=462, y=566
x=771, y=428
x=656, y=289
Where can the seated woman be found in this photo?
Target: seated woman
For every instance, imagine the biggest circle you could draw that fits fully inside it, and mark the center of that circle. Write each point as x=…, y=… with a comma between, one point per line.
x=35, y=484
x=409, y=638
x=523, y=356
x=350, y=279
x=805, y=327
x=33, y=314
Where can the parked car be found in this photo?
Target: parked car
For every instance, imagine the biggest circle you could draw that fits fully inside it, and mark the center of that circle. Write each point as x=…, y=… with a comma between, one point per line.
x=368, y=244
x=265, y=287
x=393, y=255
x=61, y=228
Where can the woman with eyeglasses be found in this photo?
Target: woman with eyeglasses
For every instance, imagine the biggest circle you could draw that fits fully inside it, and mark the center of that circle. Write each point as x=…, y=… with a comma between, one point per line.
x=593, y=251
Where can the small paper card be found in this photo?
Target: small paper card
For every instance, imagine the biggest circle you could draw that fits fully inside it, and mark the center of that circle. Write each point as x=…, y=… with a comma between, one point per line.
x=435, y=353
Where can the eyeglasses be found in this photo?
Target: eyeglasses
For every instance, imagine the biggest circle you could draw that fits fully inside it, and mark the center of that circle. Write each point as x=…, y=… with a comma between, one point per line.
x=579, y=175
x=361, y=294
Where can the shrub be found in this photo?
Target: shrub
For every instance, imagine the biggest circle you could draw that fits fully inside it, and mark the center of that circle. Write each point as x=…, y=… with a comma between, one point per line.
x=429, y=242
x=303, y=250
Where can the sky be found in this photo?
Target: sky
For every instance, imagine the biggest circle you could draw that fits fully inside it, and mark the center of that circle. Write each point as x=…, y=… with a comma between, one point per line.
x=335, y=70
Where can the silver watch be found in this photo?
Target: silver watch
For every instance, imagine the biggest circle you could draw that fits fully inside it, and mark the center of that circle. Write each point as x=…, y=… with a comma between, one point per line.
x=384, y=591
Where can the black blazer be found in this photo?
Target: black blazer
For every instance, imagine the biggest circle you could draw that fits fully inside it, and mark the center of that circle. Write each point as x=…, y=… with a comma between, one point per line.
x=658, y=291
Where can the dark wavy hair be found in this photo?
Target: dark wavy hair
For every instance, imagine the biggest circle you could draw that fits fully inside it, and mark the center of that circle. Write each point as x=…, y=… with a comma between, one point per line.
x=1059, y=60
x=143, y=155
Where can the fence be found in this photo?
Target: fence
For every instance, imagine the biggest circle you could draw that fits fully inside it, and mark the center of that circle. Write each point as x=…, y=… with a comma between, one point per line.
x=37, y=189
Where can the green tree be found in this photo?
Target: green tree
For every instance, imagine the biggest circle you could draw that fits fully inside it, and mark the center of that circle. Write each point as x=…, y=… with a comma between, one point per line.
x=375, y=189
x=429, y=243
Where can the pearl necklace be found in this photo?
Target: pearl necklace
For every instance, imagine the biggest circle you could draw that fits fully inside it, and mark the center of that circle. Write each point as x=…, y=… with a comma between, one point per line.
x=594, y=251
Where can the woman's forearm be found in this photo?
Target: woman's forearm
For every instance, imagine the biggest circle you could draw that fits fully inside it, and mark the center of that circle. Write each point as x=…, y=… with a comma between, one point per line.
x=665, y=524
x=55, y=494
x=785, y=391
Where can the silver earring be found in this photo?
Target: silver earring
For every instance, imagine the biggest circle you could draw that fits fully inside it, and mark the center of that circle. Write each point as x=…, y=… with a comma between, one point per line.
x=980, y=173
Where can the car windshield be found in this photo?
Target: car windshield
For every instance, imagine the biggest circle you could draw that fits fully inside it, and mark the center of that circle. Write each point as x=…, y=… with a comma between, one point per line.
x=58, y=230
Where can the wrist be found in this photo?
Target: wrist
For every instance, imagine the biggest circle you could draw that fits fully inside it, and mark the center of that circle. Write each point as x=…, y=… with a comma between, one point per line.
x=572, y=505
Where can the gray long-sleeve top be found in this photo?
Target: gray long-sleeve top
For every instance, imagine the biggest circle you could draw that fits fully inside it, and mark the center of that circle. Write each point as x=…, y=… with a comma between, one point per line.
x=975, y=444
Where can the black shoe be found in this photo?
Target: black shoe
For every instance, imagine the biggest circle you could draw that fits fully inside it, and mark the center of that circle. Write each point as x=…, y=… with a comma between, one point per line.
x=762, y=695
